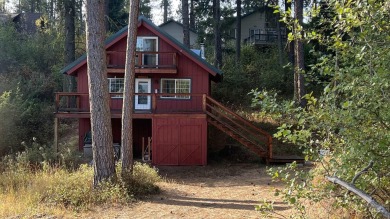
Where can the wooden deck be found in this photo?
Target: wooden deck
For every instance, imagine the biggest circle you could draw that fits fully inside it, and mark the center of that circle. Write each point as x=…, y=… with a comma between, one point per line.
x=136, y=114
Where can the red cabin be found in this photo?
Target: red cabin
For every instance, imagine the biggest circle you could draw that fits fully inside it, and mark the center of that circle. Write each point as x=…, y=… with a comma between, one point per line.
x=172, y=100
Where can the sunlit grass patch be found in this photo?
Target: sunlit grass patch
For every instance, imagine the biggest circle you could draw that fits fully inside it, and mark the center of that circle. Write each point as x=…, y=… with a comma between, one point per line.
x=56, y=190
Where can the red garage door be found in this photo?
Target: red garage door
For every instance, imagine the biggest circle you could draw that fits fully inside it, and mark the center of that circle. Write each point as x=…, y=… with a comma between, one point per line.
x=179, y=141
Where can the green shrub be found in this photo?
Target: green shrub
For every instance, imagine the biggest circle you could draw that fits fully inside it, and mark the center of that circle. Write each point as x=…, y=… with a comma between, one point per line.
x=143, y=181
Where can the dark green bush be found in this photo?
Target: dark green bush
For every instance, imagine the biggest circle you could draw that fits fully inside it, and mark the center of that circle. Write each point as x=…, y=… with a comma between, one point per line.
x=259, y=68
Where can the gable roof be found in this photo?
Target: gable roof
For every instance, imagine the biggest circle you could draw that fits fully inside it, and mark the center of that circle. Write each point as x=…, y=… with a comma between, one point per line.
x=259, y=10
x=175, y=22
x=214, y=72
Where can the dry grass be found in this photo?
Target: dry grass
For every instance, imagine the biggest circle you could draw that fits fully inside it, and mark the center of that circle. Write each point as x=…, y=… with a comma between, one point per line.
x=62, y=193
x=213, y=191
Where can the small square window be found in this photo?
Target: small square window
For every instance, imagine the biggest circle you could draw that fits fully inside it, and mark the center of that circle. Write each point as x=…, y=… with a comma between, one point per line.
x=116, y=85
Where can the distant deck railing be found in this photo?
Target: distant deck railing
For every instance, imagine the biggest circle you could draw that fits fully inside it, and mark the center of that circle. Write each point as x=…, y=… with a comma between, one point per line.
x=143, y=102
x=265, y=36
x=145, y=62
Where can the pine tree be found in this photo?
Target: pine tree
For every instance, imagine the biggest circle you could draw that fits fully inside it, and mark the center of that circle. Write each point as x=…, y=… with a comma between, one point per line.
x=101, y=129
x=128, y=94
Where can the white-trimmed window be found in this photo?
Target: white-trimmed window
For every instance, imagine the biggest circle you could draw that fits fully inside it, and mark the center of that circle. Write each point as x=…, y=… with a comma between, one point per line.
x=176, y=86
x=116, y=85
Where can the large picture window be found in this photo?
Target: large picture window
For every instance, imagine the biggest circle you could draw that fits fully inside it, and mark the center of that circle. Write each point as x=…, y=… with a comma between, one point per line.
x=116, y=85
x=176, y=86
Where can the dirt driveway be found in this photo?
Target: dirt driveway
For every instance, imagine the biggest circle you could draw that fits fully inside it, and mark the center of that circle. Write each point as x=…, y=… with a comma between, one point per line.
x=213, y=191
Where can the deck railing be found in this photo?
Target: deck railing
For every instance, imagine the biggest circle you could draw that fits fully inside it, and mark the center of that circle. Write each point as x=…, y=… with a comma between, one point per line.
x=116, y=59
x=143, y=102
x=265, y=36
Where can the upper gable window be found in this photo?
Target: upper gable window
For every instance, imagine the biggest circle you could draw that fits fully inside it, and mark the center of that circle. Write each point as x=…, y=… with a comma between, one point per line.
x=148, y=46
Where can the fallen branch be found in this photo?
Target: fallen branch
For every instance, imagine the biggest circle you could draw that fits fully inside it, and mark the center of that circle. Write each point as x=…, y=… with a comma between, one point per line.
x=361, y=194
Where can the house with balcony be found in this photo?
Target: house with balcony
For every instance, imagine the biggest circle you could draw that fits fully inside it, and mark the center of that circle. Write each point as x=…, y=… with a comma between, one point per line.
x=172, y=104
x=260, y=27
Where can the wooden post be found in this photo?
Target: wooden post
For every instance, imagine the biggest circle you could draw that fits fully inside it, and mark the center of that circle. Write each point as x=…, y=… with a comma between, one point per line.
x=143, y=149
x=174, y=60
x=56, y=134
x=204, y=98
x=149, y=147
x=154, y=102
x=139, y=57
x=78, y=97
x=57, y=102
x=269, y=147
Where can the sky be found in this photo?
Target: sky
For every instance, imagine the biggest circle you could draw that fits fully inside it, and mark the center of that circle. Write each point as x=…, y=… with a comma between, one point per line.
x=157, y=11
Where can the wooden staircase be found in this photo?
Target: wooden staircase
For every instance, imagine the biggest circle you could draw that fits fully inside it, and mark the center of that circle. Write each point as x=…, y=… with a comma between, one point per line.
x=256, y=140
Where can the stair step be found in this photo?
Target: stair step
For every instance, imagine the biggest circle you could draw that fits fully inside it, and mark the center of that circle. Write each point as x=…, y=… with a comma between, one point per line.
x=286, y=159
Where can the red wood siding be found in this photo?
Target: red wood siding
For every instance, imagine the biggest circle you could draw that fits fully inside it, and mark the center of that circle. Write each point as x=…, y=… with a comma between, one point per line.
x=179, y=141
x=176, y=139
x=186, y=69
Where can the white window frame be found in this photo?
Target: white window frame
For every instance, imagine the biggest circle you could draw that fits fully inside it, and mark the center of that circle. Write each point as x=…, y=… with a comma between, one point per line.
x=110, y=83
x=179, y=97
x=147, y=37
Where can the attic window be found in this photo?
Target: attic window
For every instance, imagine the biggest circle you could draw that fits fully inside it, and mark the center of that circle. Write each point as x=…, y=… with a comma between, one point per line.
x=176, y=86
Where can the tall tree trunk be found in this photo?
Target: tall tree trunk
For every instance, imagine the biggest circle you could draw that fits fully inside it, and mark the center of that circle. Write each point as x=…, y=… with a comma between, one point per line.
x=238, y=32
x=107, y=15
x=192, y=15
x=51, y=11
x=279, y=32
x=32, y=6
x=290, y=47
x=102, y=146
x=69, y=16
x=127, y=108
x=299, y=63
x=81, y=20
x=165, y=6
x=217, y=34
x=186, y=23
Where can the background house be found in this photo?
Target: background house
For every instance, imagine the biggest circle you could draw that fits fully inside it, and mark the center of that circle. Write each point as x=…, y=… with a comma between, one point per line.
x=175, y=29
x=24, y=22
x=259, y=27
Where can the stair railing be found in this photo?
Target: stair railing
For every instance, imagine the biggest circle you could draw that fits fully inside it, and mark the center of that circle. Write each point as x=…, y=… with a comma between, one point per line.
x=215, y=109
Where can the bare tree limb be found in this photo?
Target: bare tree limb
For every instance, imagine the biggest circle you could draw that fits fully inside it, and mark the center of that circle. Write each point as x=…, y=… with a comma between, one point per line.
x=362, y=171
x=361, y=194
